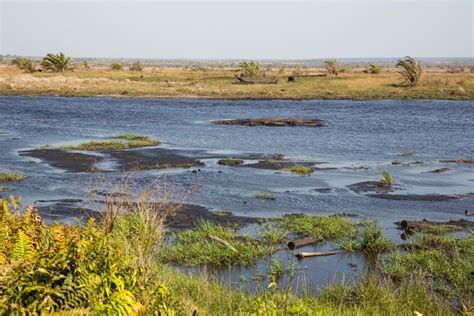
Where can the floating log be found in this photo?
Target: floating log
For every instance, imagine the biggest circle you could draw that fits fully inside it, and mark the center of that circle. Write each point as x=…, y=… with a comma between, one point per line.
x=302, y=242
x=302, y=255
x=222, y=241
x=469, y=212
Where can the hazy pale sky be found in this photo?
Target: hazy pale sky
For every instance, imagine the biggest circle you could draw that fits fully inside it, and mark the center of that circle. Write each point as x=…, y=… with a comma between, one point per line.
x=232, y=29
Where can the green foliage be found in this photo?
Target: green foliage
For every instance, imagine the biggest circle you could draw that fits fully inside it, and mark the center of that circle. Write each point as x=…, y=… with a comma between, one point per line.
x=321, y=227
x=370, y=239
x=136, y=66
x=132, y=142
x=56, y=62
x=249, y=69
x=230, y=161
x=387, y=179
x=299, y=169
x=9, y=176
x=211, y=243
x=332, y=66
x=130, y=136
x=24, y=64
x=374, y=69
x=116, y=66
x=411, y=71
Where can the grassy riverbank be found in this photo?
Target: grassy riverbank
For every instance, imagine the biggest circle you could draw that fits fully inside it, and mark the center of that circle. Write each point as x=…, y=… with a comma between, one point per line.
x=219, y=83
x=116, y=267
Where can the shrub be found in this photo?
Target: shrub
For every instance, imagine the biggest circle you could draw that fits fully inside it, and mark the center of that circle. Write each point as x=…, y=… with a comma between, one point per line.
x=56, y=62
x=411, y=71
x=24, y=64
x=137, y=66
x=116, y=66
x=374, y=69
x=387, y=179
x=249, y=69
x=332, y=66
x=9, y=176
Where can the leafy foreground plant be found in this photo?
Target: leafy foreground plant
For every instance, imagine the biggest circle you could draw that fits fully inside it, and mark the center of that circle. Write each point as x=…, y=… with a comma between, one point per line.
x=370, y=239
x=81, y=269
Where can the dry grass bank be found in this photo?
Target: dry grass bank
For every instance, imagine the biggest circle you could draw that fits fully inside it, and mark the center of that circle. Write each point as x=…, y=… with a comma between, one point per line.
x=220, y=83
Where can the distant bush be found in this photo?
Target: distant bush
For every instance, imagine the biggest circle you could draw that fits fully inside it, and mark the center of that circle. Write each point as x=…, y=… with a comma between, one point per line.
x=332, y=66
x=411, y=71
x=249, y=69
x=137, y=66
x=116, y=66
x=56, y=62
x=24, y=64
x=374, y=69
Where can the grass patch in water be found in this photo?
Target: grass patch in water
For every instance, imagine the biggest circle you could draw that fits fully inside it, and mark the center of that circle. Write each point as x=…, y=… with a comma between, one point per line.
x=322, y=227
x=9, y=176
x=213, y=244
x=265, y=196
x=370, y=239
x=229, y=161
x=112, y=144
x=130, y=136
x=299, y=169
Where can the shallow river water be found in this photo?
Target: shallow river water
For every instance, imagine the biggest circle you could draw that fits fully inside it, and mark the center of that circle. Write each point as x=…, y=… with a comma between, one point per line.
x=358, y=139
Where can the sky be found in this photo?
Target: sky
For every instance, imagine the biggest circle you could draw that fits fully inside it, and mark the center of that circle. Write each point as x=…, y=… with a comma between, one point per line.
x=238, y=29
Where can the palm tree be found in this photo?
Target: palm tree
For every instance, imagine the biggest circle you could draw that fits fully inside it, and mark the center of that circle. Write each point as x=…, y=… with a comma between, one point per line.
x=249, y=69
x=332, y=66
x=411, y=71
x=24, y=63
x=56, y=62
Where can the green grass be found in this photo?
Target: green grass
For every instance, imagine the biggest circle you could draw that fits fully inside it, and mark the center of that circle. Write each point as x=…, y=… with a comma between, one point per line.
x=114, y=268
x=446, y=262
x=265, y=196
x=299, y=169
x=230, y=161
x=193, y=247
x=369, y=239
x=321, y=227
x=130, y=136
x=10, y=176
x=112, y=144
x=386, y=179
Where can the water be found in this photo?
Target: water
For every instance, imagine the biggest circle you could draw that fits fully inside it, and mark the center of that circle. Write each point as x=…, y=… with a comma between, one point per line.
x=367, y=134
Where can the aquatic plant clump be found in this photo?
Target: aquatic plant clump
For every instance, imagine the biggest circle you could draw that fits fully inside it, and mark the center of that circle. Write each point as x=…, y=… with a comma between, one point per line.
x=324, y=228
x=9, y=176
x=131, y=141
x=230, y=161
x=299, y=169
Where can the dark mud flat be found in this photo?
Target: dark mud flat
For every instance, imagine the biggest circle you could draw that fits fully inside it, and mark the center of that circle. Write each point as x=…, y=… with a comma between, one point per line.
x=127, y=160
x=155, y=158
x=419, y=197
x=184, y=216
x=69, y=161
x=273, y=121
x=370, y=186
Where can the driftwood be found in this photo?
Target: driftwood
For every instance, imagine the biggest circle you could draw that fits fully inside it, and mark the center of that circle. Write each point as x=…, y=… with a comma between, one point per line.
x=224, y=242
x=245, y=81
x=302, y=242
x=302, y=255
x=469, y=212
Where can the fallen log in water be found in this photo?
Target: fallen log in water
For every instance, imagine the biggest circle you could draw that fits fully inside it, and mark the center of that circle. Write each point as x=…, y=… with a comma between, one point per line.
x=222, y=241
x=469, y=212
x=302, y=242
x=407, y=225
x=302, y=255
